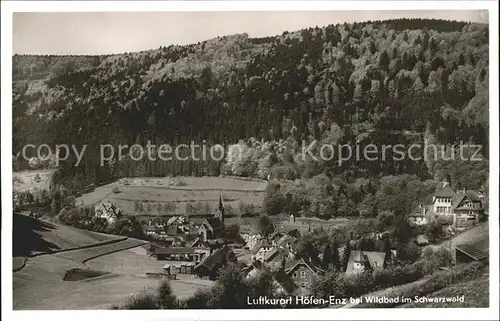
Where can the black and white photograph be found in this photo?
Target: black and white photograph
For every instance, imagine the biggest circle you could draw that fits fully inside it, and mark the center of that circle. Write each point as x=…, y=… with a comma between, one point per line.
x=335, y=160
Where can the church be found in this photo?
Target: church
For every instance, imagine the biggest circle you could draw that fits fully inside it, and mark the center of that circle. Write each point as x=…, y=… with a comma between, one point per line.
x=212, y=227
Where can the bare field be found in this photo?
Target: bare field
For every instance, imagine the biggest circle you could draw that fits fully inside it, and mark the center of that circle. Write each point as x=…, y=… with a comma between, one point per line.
x=87, y=254
x=24, y=181
x=179, y=190
x=39, y=284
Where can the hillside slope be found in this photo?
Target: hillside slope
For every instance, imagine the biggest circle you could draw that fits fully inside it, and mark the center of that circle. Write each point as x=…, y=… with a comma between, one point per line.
x=35, y=237
x=382, y=82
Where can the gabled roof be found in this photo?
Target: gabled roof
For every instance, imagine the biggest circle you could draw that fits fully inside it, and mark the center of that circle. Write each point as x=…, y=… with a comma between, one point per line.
x=259, y=245
x=275, y=251
x=360, y=257
x=174, y=250
x=216, y=259
x=294, y=233
x=275, y=234
x=473, y=195
x=462, y=195
x=213, y=223
x=287, y=240
x=253, y=269
x=285, y=281
x=446, y=191
x=108, y=209
x=172, y=220
x=289, y=268
x=374, y=259
x=196, y=242
x=472, y=252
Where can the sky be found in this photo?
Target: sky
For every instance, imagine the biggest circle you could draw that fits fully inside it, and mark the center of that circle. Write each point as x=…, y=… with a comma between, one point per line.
x=117, y=32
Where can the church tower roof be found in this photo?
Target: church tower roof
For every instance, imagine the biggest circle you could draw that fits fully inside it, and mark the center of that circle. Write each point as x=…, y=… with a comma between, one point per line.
x=219, y=212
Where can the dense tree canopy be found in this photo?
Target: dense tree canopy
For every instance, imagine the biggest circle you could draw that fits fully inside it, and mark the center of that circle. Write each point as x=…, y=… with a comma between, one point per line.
x=378, y=82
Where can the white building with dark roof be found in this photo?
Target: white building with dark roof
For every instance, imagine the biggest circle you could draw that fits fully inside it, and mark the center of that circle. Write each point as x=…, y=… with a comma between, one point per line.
x=359, y=261
x=108, y=211
x=461, y=208
x=441, y=201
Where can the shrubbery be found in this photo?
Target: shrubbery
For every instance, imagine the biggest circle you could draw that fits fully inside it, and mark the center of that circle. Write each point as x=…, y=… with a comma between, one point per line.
x=163, y=298
x=355, y=285
x=230, y=291
x=436, y=282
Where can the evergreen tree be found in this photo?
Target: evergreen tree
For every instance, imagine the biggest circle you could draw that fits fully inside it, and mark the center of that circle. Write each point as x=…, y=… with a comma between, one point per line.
x=335, y=255
x=327, y=257
x=346, y=253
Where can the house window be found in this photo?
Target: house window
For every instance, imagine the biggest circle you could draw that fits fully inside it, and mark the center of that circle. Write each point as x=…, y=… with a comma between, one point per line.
x=294, y=275
x=303, y=274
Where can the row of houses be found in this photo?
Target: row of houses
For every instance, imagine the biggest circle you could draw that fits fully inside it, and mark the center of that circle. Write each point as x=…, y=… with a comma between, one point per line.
x=205, y=252
x=295, y=275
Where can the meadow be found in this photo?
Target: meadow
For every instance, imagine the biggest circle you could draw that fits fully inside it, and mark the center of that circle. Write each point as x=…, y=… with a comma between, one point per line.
x=177, y=192
x=33, y=179
x=39, y=283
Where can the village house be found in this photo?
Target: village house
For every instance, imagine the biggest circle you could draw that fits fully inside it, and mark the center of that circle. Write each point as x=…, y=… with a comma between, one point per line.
x=302, y=273
x=294, y=232
x=198, y=242
x=360, y=261
x=108, y=211
x=253, y=269
x=275, y=236
x=152, y=230
x=210, y=266
x=190, y=254
x=460, y=209
x=441, y=201
x=283, y=279
x=467, y=206
x=418, y=215
x=260, y=250
x=284, y=284
x=275, y=258
x=289, y=243
x=251, y=240
x=173, y=253
x=180, y=268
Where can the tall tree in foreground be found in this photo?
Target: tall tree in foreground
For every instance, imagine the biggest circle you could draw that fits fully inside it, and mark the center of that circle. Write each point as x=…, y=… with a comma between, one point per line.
x=346, y=252
x=266, y=226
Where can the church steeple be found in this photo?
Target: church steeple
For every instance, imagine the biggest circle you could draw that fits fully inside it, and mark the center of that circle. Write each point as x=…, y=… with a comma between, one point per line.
x=219, y=213
x=221, y=207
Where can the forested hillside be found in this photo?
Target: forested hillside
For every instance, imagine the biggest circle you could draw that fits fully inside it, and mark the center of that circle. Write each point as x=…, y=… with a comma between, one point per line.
x=381, y=82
